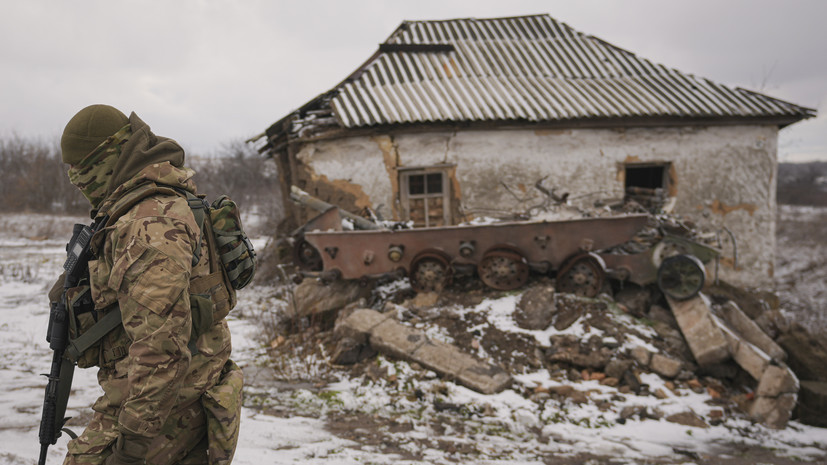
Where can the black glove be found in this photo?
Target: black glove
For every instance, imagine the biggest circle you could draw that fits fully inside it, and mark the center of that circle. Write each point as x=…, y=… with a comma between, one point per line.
x=130, y=449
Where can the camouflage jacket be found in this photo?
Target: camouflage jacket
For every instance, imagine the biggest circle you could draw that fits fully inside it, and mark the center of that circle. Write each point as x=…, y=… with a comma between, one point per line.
x=144, y=265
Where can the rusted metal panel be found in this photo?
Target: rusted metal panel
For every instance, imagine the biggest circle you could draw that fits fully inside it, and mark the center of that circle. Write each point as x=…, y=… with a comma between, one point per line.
x=581, y=253
x=358, y=253
x=636, y=268
x=329, y=220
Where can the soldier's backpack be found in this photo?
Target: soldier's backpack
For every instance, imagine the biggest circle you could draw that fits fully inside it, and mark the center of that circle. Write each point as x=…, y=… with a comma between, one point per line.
x=232, y=267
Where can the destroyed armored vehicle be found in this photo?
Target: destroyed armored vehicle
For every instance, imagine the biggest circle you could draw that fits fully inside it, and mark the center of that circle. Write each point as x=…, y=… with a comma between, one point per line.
x=581, y=253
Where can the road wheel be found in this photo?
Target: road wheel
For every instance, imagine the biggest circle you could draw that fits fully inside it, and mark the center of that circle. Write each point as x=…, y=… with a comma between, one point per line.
x=681, y=276
x=430, y=272
x=583, y=276
x=503, y=269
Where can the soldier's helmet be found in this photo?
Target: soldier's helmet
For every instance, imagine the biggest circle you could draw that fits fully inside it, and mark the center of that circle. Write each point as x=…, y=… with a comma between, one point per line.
x=88, y=129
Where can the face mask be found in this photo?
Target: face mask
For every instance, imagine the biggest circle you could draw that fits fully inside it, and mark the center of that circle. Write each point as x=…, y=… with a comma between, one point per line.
x=93, y=173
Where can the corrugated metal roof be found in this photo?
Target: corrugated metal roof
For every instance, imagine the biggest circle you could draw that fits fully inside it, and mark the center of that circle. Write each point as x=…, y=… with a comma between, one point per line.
x=528, y=68
x=531, y=68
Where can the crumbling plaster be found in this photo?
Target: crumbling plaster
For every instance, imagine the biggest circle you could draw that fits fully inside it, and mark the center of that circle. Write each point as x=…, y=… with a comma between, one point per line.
x=725, y=176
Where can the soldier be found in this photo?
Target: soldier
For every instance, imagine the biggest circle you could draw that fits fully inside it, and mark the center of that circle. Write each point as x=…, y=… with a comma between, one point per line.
x=171, y=394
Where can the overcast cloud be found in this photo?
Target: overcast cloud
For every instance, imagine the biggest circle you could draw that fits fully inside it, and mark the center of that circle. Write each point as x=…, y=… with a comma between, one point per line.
x=209, y=72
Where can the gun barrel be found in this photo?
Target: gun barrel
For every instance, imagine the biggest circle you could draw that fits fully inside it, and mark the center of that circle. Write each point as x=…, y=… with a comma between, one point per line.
x=55, y=400
x=49, y=432
x=44, y=449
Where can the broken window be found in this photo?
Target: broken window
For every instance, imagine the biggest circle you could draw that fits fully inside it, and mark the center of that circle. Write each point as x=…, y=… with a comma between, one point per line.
x=425, y=196
x=647, y=183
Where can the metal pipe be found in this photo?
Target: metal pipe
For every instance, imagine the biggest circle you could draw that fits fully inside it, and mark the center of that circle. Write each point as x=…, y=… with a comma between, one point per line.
x=299, y=196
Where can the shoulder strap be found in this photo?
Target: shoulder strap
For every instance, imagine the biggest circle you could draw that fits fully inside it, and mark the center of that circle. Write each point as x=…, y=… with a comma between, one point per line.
x=200, y=208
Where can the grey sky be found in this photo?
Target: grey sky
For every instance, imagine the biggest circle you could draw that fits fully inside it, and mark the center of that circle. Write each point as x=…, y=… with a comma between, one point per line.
x=208, y=72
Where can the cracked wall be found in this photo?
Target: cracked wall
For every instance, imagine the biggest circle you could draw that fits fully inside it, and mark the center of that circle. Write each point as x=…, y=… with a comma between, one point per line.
x=349, y=174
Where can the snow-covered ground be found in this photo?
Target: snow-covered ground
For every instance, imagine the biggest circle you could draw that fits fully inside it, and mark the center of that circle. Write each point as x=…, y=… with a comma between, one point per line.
x=296, y=423
x=801, y=254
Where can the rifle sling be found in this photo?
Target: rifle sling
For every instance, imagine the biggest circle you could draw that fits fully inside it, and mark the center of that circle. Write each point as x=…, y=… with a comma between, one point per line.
x=94, y=334
x=100, y=329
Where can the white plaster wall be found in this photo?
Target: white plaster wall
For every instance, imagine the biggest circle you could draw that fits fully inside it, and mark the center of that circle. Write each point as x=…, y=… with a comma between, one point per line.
x=732, y=168
x=357, y=160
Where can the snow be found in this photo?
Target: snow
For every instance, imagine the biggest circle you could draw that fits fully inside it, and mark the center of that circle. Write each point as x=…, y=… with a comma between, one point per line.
x=501, y=428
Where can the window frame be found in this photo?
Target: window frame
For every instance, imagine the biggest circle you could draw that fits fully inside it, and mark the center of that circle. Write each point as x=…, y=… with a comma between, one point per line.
x=405, y=197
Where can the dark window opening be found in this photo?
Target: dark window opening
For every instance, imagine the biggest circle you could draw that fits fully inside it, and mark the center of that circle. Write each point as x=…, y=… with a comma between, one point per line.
x=646, y=177
x=421, y=184
x=435, y=183
x=416, y=184
x=648, y=185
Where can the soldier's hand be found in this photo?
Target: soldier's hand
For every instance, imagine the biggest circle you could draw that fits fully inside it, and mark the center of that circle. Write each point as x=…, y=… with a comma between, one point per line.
x=130, y=449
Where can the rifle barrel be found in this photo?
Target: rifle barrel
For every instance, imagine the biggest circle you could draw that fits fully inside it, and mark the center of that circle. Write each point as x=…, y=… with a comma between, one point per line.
x=44, y=449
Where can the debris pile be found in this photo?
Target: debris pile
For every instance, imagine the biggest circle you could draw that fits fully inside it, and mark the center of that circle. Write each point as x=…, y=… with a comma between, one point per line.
x=705, y=344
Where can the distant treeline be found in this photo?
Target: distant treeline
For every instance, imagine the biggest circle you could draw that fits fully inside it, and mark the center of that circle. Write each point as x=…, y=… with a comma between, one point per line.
x=33, y=179
x=802, y=183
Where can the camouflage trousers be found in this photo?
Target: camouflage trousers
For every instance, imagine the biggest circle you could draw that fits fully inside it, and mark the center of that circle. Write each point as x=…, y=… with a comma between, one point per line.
x=183, y=439
x=204, y=432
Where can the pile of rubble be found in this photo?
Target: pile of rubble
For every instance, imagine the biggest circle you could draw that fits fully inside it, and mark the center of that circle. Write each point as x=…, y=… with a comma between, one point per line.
x=749, y=361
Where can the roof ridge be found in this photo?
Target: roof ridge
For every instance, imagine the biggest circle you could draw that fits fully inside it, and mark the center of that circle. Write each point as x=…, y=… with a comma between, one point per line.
x=477, y=19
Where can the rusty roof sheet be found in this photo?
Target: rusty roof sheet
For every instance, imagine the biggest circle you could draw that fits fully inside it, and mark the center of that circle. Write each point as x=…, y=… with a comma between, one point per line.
x=527, y=68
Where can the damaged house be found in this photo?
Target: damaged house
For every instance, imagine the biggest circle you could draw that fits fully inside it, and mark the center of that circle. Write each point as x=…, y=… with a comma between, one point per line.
x=460, y=119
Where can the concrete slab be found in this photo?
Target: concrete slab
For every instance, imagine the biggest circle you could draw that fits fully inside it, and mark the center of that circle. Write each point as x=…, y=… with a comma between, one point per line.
x=359, y=324
x=391, y=337
x=749, y=330
x=485, y=378
x=443, y=358
x=777, y=380
x=702, y=334
x=461, y=367
x=752, y=359
x=395, y=339
x=812, y=403
x=313, y=297
x=774, y=412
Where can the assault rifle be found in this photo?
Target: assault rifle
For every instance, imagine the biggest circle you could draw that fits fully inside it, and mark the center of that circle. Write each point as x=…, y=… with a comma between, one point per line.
x=57, y=335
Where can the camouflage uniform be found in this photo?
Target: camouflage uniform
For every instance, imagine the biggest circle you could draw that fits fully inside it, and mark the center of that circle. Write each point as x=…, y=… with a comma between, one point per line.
x=153, y=385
